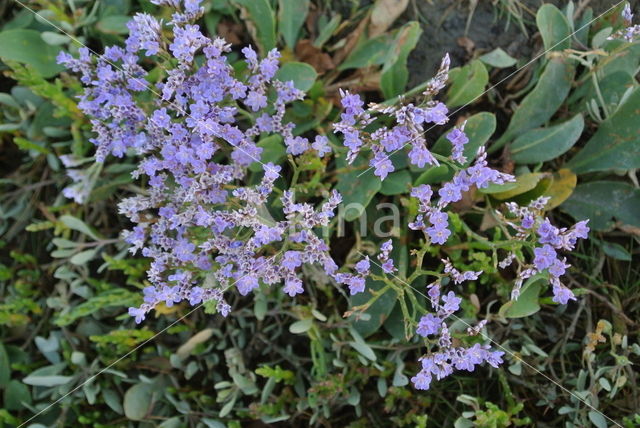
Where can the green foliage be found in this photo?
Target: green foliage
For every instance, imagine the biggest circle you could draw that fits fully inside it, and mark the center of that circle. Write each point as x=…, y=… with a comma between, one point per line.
x=67, y=283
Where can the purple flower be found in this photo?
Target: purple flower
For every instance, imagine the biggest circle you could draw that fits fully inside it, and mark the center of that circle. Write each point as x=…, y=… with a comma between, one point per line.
x=356, y=284
x=291, y=260
x=321, y=145
x=544, y=256
x=562, y=294
x=139, y=313
x=363, y=266
x=246, y=283
x=429, y=324
x=423, y=192
x=293, y=286
x=297, y=145
x=451, y=302
x=382, y=165
x=437, y=114
x=458, y=140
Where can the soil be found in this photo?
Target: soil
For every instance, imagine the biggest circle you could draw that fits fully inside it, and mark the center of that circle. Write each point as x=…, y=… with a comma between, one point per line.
x=444, y=23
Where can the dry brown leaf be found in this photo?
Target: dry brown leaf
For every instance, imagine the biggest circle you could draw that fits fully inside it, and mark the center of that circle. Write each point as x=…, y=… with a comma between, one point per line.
x=231, y=32
x=467, y=44
x=351, y=41
x=321, y=61
x=384, y=13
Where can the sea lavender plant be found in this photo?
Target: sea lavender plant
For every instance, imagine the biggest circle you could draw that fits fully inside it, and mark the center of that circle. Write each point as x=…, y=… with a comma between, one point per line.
x=206, y=229
x=197, y=222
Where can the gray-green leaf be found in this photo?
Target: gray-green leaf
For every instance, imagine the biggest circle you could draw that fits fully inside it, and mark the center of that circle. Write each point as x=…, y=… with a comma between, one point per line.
x=540, y=145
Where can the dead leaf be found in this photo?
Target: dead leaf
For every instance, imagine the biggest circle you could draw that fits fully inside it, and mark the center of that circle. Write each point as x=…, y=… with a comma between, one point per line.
x=384, y=13
x=231, y=32
x=467, y=44
x=202, y=336
x=350, y=41
x=321, y=61
x=562, y=186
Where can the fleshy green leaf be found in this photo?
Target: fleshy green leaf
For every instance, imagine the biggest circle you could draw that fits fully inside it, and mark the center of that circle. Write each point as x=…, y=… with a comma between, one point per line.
x=498, y=58
x=137, y=401
x=543, y=101
x=301, y=326
x=261, y=16
x=302, y=74
x=467, y=83
x=26, y=46
x=291, y=16
x=378, y=312
x=616, y=143
x=543, y=144
x=396, y=183
x=554, y=28
x=371, y=52
x=527, y=303
x=357, y=190
x=601, y=201
x=395, y=73
x=479, y=128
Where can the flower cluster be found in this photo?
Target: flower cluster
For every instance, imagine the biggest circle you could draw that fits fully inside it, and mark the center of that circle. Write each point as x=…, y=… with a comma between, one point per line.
x=448, y=358
x=531, y=225
x=408, y=131
x=203, y=229
x=479, y=175
x=208, y=223
x=629, y=32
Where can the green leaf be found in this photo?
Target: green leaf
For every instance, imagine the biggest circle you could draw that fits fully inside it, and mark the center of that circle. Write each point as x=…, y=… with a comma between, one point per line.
x=114, y=24
x=54, y=39
x=46, y=381
x=615, y=251
x=435, y=175
x=113, y=298
x=16, y=394
x=26, y=46
x=5, y=367
x=396, y=183
x=291, y=17
x=327, y=31
x=273, y=151
x=301, y=326
x=498, y=58
x=479, y=128
x=554, y=28
x=357, y=189
x=76, y=224
x=597, y=419
x=83, y=257
x=467, y=83
x=543, y=101
x=527, y=303
x=395, y=73
x=543, y=144
x=378, y=312
x=364, y=349
x=263, y=30
x=523, y=183
x=616, y=143
x=601, y=201
x=371, y=52
x=302, y=74
x=137, y=401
